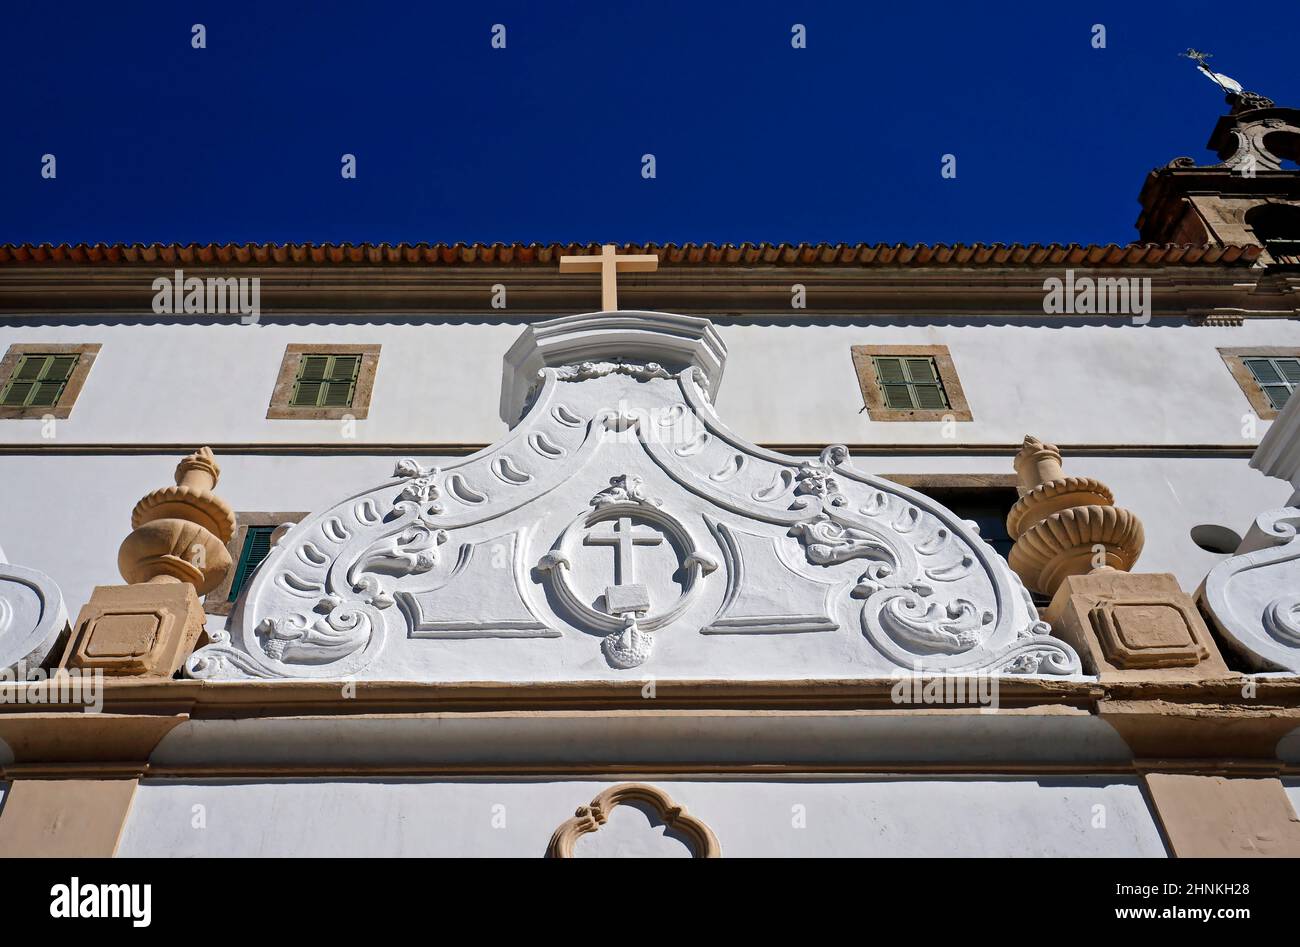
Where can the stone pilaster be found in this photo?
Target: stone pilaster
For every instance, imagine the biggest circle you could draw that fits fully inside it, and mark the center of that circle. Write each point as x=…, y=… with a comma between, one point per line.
x=176, y=551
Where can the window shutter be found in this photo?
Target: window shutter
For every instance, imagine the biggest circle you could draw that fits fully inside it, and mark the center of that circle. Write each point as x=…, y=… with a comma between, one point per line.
x=930, y=397
x=326, y=381
x=1276, y=377
x=312, y=373
x=910, y=383
x=926, y=388
x=39, y=381
x=342, y=380
x=257, y=545
x=893, y=382
x=24, y=380
x=1263, y=370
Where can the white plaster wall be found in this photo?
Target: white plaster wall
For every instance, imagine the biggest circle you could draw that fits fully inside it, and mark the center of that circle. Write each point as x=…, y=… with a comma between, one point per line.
x=790, y=382
x=980, y=817
x=785, y=382
x=67, y=514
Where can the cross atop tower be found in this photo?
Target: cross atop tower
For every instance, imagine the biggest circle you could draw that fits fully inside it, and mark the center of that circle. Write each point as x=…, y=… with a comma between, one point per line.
x=608, y=265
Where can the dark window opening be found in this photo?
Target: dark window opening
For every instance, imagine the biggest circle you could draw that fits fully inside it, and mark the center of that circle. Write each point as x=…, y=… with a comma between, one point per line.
x=257, y=544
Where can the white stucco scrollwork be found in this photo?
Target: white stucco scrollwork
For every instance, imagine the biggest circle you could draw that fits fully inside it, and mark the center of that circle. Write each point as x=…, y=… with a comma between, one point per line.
x=32, y=616
x=1251, y=597
x=620, y=509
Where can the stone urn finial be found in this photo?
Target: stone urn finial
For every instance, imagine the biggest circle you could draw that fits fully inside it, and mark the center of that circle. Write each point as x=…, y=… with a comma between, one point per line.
x=1065, y=526
x=179, y=533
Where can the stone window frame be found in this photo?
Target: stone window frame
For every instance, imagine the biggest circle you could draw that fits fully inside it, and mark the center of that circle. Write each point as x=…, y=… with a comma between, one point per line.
x=86, y=353
x=874, y=396
x=215, y=602
x=1235, y=359
x=281, y=410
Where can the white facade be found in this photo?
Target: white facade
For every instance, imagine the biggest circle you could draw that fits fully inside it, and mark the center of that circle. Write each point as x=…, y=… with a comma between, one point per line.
x=827, y=818
x=1150, y=410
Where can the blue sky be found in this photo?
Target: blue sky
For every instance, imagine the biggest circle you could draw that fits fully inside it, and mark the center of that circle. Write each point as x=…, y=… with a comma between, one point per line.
x=542, y=141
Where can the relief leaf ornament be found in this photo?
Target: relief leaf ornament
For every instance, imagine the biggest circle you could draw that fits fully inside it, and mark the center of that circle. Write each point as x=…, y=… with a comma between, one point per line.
x=628, y=648
x=410, y=552
x=827, y=542
x=584, y=371
x=301, y=639
x=931, y=628
x=624, y=488
x=814, y=477
x=420, y=490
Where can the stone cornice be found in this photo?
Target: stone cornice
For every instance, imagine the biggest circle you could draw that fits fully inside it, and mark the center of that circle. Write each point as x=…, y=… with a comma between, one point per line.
x=811, y=727
x=340, y=292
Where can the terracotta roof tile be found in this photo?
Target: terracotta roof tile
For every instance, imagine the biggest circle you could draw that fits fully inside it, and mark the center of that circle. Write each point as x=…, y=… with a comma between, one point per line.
x=689, y=254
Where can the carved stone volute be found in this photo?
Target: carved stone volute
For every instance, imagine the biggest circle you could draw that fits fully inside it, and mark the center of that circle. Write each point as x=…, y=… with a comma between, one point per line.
x=1064, y=525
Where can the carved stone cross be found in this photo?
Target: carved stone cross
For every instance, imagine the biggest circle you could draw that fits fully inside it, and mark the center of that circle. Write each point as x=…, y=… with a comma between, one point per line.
x=625, y=595
x=608, y=265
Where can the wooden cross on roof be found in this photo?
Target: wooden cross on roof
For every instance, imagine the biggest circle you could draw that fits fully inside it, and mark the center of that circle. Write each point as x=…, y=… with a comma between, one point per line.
x=608, y=264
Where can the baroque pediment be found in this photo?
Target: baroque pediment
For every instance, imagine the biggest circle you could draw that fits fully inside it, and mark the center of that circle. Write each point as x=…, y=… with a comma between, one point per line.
x=620, y=530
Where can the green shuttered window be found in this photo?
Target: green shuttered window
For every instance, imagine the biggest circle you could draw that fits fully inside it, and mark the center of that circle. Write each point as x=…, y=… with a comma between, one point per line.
x=257, y=543
x=910, y=383
x=1276, y=377
x=326, y=381
x=38, y=381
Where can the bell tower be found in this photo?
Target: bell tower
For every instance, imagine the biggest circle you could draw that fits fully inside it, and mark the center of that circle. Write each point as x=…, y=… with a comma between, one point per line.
x=1251, y=196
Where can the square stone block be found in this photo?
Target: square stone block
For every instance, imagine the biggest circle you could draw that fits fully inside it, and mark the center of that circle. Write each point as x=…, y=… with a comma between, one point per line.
x=123, y=636
x=1156, y=634
x=147, y=630
x=1133, y=626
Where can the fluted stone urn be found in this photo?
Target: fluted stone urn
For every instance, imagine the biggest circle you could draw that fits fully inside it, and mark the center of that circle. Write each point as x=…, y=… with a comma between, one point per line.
x=1065, y=526
x=179, y=533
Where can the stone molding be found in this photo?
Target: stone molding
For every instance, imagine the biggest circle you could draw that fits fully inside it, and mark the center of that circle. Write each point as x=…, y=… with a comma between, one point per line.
x=87, y=353
x=648, y=344
x=589, y=818
x=924, y=294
